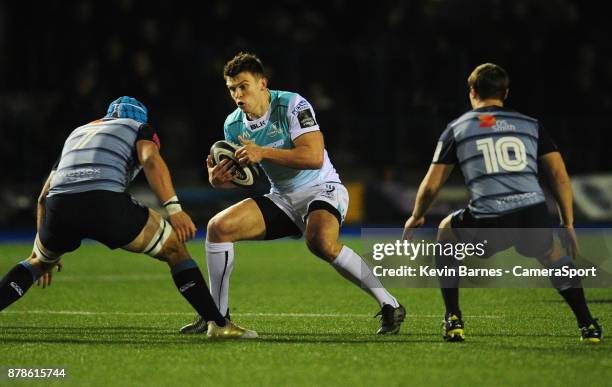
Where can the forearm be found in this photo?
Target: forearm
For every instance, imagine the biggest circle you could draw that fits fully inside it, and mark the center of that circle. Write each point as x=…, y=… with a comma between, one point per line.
x=425, y=198
x=298, y=158
x=158, y=176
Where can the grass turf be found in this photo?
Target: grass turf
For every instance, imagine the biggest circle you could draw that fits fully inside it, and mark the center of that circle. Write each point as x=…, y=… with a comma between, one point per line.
x=111, y=318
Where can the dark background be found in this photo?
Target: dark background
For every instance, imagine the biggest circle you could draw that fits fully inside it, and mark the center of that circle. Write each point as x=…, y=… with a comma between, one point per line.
x=384, y=79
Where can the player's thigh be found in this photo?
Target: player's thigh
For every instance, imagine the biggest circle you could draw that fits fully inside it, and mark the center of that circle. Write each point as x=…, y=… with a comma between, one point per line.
x=322, y=232
x=534, y=230
x=242, y=221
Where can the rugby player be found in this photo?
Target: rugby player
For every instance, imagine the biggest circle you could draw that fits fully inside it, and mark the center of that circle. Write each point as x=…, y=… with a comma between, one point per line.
x=499, y=152
x=278, y=130
x=85, y=196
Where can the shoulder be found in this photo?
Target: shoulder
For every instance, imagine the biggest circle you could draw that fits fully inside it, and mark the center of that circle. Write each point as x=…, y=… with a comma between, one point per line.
x=283, y=98
x=233, y=118
x=467, y=116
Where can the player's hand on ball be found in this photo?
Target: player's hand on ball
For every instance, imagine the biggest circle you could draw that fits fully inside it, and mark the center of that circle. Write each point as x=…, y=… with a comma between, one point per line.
x=183, y=226
x=45, y=279
x=221, y=173
x=411, y=224
x=249, y=152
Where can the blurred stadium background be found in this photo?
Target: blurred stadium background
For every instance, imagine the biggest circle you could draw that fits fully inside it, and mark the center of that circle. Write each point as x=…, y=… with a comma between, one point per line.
x=384, y=81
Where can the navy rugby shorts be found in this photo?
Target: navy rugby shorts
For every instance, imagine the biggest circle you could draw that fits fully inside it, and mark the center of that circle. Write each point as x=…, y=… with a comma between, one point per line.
x=529, y=230
x=112, y=218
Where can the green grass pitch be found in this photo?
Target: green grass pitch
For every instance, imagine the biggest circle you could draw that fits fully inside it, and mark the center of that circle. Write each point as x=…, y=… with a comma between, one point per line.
x=111, y=318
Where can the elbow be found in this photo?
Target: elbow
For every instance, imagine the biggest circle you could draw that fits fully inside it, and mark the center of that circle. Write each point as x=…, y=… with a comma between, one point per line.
x=429, y=191
x=317, y=161
x=149, y=163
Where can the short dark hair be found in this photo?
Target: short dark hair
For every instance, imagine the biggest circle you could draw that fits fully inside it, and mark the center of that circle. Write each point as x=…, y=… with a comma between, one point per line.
x=489, y=81
x=243, y=61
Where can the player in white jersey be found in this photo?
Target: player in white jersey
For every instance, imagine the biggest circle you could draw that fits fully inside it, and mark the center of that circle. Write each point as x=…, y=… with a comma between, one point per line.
x=278, y=131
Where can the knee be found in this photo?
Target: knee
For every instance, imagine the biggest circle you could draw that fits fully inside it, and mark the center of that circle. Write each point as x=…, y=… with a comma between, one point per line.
x=173, y=251
x=322, y=247
x=220, y=229
x=42, y=267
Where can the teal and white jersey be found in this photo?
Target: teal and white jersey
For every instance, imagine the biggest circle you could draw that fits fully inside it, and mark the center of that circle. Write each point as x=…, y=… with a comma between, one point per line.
x=288, y=117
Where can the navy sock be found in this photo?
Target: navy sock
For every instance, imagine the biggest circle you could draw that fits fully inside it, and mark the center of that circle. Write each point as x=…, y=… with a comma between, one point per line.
x=571, y=291
x=191, y=284
x=576, y=300
x=16, y=283
x=449, y=285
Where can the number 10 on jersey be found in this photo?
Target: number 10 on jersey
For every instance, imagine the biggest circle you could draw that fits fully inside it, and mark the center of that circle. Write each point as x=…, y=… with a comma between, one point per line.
x=506, y=152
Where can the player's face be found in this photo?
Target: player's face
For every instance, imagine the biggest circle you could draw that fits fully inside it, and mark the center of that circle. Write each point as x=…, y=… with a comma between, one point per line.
x=247, y=90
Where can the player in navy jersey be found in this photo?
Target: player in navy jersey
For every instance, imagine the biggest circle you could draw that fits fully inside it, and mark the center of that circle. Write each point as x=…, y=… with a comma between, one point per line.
x=278, y=130
x=85, y=196
x=499, y=152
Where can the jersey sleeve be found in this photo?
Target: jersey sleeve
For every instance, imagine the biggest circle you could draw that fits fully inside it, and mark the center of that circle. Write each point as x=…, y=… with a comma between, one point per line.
x=545, y=143
x=446, y=149
x=301, y=117
x=146, y=132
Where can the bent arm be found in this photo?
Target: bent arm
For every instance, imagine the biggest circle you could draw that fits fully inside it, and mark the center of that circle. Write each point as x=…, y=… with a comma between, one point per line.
x=560, y=184
x=429, y=188
x=155, y=170
x=307, y=154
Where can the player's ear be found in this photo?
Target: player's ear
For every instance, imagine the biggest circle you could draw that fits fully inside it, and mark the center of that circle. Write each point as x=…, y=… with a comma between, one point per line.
x=473, y=93
x=263, y=83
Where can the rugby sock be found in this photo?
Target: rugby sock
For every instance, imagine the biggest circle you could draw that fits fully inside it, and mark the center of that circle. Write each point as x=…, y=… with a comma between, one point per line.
x=352, y=267
x=16, y=282
x=220, y=261
x=449, y=285
x=576, y=300
x=191, y=284
x=571, y=290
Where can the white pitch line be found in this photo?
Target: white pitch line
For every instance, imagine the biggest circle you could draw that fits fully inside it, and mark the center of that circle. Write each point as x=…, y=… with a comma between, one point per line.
x=248, y=314
x=111, y=277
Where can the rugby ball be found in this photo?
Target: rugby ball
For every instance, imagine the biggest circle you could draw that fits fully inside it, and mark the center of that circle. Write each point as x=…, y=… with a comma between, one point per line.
x=244, y=176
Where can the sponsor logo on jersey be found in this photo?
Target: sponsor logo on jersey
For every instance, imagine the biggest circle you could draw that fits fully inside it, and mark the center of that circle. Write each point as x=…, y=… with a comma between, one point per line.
x=504, y=126
x=303, y=105
x=487, y=121
x=80, y=173
x=306, y=118
x=258, y=125
x=275, y=130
